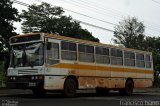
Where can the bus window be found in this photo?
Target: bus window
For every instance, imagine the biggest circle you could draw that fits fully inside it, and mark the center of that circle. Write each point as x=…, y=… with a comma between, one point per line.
x=86, y=53
x=52, y=53
x=148, y=61
x=69, y=50
x=140, y=60
x=102, y=55
x=119, y=57
x=116, y=56
x=129, y=58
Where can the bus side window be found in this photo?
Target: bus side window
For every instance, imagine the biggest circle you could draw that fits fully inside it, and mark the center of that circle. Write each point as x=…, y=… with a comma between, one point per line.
x=68, y=50
x=129, y=58
x=119, y=57
x=116, y=56
x=148, y=61
x=86, y=53
x=113, y=56
x=102, y=55
x=52, y=53
x=140, y=60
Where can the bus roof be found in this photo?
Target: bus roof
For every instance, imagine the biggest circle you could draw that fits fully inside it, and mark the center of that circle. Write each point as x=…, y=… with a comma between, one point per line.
x=84, y=41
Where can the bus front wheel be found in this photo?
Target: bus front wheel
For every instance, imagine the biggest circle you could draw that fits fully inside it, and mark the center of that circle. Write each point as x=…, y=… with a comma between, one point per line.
x=69, y=88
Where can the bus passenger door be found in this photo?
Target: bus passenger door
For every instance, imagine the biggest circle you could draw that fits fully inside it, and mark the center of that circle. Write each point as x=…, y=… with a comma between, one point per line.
x=53, y=78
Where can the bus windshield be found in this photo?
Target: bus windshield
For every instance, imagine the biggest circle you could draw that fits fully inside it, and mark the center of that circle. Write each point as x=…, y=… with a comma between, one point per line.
x=24, y=55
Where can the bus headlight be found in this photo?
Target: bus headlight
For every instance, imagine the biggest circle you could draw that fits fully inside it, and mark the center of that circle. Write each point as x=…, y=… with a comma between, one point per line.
x=32, y=77
x=11, y=78
x=14, y=78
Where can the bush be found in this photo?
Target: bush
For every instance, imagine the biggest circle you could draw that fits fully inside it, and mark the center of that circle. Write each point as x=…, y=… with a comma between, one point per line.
x=156, y=82
x=2, y=74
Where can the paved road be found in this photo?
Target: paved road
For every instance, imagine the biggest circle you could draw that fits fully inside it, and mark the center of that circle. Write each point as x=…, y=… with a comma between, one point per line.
x=25, y=98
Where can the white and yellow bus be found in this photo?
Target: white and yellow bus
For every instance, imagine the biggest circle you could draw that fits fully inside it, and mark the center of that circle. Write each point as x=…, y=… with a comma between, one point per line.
x=48, y=62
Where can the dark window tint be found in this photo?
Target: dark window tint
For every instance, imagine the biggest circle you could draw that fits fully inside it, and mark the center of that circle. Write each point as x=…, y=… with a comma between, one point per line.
x=68, y=46
x=148, y=58
x=129, y=58
x=89, y=49
x=116, y=52
x=140, y=60
x=64, y=45
x=99, y=50
x=86, y=53
x=113, y=52
x=119, y=53
x=106, y=51
x=148, y=61
x=102, y=51
x=139, y=56
x=129, y=55
x=81, y=48
x=72, y=47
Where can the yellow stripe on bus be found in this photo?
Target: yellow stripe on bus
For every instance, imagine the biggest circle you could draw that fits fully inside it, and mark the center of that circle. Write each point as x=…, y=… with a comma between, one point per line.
x=104, y=68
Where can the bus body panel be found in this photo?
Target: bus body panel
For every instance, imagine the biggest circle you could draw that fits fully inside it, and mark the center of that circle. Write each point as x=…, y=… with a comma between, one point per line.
x=90, y=75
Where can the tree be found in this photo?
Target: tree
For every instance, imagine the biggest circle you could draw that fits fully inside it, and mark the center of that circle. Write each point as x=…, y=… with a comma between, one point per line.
x=152, y=45
x=8, y=15
x=45, y=18
x=130, y=33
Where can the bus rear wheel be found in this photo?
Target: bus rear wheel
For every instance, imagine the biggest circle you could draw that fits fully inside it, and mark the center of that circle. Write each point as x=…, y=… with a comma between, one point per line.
x=69, y=88
x=128, y=90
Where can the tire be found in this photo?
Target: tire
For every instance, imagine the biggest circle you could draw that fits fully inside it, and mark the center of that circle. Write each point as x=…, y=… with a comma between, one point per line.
x=69, y=88
x=128, y=90
x=102, y=92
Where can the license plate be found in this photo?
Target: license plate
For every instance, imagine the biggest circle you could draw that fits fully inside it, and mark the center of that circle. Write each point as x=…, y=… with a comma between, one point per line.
x=31, y=84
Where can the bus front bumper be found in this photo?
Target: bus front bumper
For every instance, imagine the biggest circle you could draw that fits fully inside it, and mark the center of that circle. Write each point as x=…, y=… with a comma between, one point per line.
x=23, y=82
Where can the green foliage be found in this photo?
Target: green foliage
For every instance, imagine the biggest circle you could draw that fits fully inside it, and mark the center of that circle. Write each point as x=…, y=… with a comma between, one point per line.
x=8, y=15
x=2, y=72
x=129, y=33
x=156, y=82
x=152, y=45
x=45, y=18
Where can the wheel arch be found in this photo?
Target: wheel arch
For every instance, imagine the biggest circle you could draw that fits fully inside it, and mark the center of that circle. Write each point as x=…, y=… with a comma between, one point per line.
x=130, y=79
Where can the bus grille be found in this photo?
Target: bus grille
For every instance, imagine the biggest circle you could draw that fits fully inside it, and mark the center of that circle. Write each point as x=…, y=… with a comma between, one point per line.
x=27, y=72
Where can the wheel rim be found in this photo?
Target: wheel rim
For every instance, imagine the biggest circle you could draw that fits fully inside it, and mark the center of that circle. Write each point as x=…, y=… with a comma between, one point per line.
x=70, y=89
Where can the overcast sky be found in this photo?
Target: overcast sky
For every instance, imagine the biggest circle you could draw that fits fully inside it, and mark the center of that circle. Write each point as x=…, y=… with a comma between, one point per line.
x=147, y=11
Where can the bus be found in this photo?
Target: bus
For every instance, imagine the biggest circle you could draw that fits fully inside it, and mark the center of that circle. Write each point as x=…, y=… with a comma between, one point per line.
x=45, y=62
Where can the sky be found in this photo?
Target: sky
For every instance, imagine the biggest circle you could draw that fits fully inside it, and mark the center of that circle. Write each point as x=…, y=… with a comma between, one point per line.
x=113, y=11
